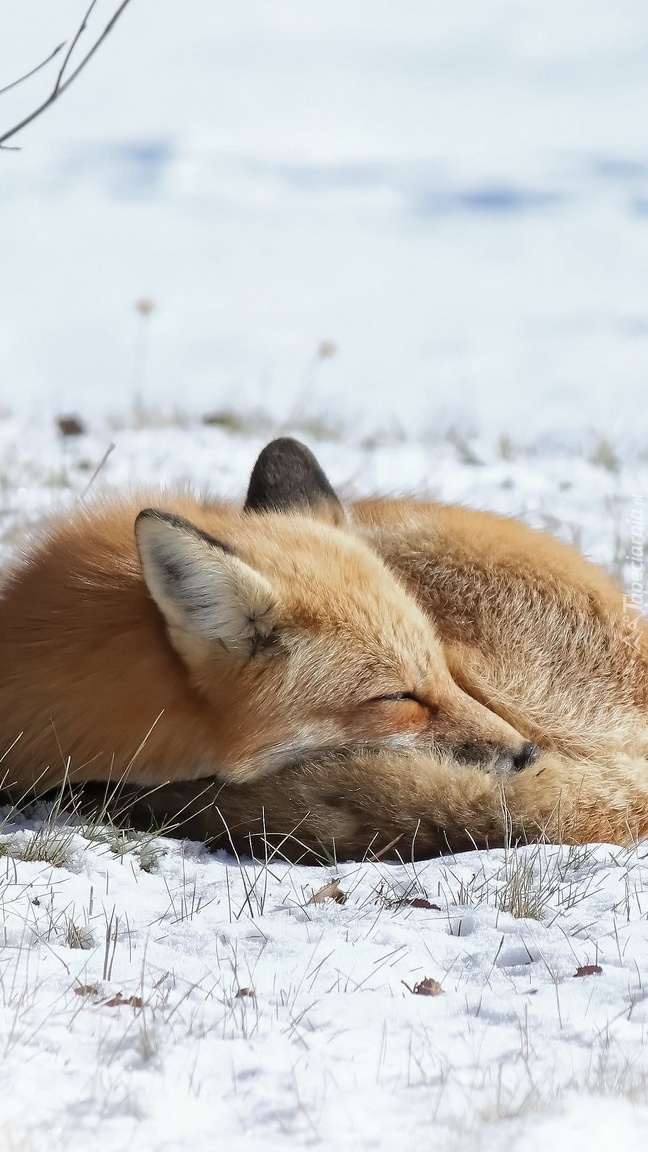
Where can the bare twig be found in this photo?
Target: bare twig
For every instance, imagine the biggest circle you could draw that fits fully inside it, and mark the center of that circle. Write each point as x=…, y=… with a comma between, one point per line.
x=28, y=75
x=63, y=78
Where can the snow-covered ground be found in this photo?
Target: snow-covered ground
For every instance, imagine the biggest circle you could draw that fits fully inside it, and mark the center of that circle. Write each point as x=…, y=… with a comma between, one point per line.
x=416, y=235
x=162, y=999
x=153, y=997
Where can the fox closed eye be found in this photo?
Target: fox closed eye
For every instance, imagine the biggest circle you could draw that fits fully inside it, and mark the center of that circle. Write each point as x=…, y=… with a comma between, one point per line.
x=431, y=710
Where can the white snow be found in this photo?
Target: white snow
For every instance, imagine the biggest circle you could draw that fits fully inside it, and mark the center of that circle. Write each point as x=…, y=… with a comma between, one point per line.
x=416, y=235
x=207, y=999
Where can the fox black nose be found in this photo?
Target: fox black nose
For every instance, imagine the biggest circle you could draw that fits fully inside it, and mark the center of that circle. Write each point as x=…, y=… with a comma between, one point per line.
x=527, y=756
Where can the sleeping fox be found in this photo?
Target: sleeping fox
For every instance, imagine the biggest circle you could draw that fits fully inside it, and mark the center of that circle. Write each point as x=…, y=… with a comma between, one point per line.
x=296, y=668
x=191, y=641
x=529, y=628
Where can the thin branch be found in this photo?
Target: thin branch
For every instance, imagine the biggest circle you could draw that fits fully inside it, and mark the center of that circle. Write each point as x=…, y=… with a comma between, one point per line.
x=28, y=75
x=62, y=81
x=58, y=87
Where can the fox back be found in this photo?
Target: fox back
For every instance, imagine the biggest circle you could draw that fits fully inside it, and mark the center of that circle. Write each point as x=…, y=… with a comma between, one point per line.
x=527, y=623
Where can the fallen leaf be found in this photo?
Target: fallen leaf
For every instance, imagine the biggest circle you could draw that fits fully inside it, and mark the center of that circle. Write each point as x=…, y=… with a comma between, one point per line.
x=244, y=992
x=331, y=891
x=426, y=987
x=588, y=970
x=118, y=999
x=86, y=990
x=421, y=902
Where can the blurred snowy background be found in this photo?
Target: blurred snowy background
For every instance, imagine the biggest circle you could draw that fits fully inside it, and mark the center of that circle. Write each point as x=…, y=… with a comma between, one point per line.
x=398, y=216
x=415, y=234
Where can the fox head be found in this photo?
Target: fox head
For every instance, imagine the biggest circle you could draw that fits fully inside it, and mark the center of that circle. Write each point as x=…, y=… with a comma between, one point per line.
x=297, y=638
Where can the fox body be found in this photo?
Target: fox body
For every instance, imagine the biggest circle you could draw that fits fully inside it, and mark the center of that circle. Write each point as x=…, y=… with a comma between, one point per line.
x=328, y=677
x=529, y=628
x=209, y=641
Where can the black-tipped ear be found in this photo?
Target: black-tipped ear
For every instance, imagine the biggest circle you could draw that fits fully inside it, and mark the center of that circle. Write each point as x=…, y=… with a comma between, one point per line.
x=287, y=477
x=203, y=590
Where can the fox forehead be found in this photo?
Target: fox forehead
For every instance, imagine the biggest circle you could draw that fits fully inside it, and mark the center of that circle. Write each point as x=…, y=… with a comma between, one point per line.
x=349, y=609
x=324, y=573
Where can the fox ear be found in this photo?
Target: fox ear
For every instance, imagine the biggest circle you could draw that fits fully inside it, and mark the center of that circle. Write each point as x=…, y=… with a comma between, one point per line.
x=203, y=590
x=287, y=478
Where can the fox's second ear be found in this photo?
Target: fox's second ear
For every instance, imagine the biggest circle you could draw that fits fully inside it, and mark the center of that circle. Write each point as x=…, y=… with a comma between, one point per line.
x=203, y=590
x=287, y=478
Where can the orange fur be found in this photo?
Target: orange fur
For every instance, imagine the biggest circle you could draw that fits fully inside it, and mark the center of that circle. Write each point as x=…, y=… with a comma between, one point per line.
x=530, y=627
x=189, y=661
x=269, y=665
x=398, y=804
x=535, y=632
